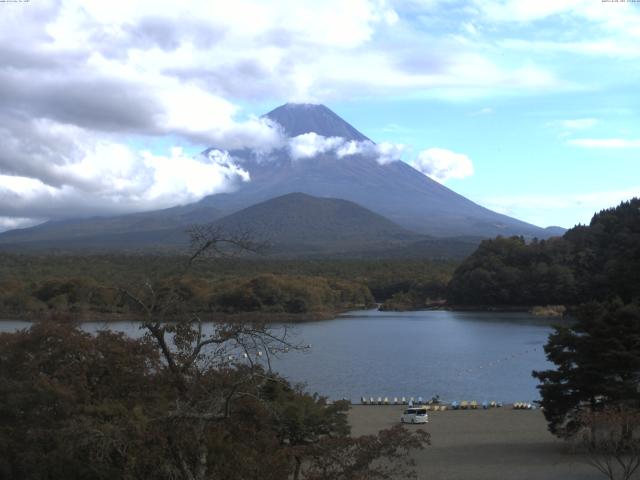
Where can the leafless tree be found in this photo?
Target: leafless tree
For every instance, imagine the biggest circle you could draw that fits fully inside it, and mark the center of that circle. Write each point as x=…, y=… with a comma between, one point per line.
x=610, y=439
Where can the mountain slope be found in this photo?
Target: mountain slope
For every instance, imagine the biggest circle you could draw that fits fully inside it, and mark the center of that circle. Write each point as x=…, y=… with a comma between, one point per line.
x=299, y=118
x=394, y=190
x=325, y=223
x=160, y=228
x=299, y=225
x=291, y=226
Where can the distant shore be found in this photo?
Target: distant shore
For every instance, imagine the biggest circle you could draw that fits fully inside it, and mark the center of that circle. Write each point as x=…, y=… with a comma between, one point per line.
x=556, y=311
x=110, y=317
x=553, y=311
x=482, y=444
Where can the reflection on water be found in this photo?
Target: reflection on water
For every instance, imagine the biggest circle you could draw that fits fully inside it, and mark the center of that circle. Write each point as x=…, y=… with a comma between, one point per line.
x=457, y=355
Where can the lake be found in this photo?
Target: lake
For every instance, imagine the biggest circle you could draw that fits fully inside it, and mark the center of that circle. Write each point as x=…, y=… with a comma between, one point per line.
x=457, y=355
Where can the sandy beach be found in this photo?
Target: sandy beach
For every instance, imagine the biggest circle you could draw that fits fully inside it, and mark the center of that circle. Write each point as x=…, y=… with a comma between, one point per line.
x=489, y=444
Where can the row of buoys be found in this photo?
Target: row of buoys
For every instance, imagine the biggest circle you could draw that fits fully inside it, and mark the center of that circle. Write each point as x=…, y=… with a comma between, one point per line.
x=435, y=407
x=394, y=401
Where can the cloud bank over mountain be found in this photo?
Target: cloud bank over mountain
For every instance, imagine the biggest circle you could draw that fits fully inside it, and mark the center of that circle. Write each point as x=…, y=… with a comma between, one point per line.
x=112, y=178
x=87, y=87
x=309, y=145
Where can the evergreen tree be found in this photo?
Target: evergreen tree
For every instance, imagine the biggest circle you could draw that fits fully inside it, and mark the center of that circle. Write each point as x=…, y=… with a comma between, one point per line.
x=598, y=364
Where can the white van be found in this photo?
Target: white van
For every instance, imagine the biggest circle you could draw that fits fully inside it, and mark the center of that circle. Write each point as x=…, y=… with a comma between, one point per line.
x=415, y=415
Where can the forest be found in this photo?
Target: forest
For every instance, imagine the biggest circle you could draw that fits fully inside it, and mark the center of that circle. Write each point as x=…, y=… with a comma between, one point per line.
x=89, y=286
x=598, y=261
x=594, y=262
x=178, y=403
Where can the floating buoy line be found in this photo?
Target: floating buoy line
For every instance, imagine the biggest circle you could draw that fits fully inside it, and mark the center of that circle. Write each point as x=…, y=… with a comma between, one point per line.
x=498, y=362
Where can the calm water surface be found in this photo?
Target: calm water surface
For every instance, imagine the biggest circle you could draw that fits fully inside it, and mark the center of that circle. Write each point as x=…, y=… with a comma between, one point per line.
x=457, y=355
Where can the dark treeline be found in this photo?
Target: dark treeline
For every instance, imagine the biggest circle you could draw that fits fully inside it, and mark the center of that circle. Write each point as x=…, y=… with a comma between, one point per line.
x=595, y=262
x=87, y=285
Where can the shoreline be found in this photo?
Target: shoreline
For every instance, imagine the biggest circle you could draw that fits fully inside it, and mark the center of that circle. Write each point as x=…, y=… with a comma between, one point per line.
x=113, y=317
x=545, y=311
x=271, y=317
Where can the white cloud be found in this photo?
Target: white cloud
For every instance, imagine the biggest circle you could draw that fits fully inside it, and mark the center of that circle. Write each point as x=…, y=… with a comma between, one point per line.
x=331, y=22
x=604, y=143
x=10, y=223
x=441, y=164
x=354, y=147
x=608, y=29
x=384, y=152
x=89, y=174
x=388, y=152
x=196, y=114
x=181, y=179
x=292, y=50
x=288, y=49
x=310, y=144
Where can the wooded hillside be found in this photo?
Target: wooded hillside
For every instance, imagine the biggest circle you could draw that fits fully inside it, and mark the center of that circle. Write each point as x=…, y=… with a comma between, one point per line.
x=598, y=261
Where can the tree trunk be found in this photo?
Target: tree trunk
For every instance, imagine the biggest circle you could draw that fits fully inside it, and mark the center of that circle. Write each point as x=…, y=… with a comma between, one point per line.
x=296, y=473
x=203, y=454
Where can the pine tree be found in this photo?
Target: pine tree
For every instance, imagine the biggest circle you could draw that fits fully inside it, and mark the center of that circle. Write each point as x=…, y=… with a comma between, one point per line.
x=598, y=365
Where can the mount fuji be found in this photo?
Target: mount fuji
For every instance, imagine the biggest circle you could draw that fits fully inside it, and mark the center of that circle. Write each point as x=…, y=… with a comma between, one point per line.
x=323, y=157
x=392, y=189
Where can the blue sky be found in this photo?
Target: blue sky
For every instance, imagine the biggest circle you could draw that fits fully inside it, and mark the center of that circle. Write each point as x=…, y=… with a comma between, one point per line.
x=527, y=107
x=551, y=155
x=524, y=162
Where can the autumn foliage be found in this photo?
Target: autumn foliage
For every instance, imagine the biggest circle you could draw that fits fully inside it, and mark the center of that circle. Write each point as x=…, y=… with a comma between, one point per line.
x=76, y=406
